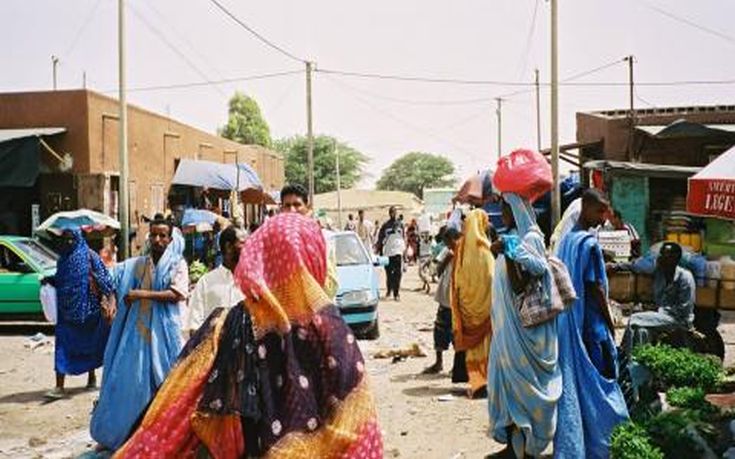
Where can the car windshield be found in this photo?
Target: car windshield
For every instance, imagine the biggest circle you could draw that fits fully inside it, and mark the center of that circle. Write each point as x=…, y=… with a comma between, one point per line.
x=349, y=250
x=39, y=253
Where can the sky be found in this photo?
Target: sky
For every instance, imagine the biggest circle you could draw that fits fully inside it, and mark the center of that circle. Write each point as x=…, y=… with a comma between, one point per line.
x=173, y=41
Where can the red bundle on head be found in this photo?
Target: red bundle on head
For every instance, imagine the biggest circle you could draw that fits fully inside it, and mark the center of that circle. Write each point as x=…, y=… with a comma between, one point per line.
x=524, y=172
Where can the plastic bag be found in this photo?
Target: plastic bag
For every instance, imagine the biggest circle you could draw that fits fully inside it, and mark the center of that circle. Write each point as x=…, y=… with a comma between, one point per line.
x=525, y=173
x=48, y=301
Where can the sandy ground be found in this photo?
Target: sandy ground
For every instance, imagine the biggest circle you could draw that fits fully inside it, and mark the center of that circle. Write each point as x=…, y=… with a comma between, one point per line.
x=421, y=416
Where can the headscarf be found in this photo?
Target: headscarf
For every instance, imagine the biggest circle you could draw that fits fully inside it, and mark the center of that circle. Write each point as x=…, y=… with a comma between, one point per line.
x=76, y=268
x=567, y=222
x=472, y=286
x=284, y=266
x=532, y=239
x=169, y=261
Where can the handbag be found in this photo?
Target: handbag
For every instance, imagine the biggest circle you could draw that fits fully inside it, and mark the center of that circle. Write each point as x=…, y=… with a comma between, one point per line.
x=532, y=301
x=47, y=296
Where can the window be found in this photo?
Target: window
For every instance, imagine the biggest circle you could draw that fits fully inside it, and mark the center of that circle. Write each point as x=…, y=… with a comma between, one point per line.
x=42, y=255
x=349, y=250
x=11, y=263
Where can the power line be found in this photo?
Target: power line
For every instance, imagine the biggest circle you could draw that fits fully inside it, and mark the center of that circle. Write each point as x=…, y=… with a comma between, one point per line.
x=420, y=79
x=529, y=39
x=195, y=84
x=690, y=23
x=256, y=34
x=591, y=71
x=174, y=49
x=81, y=29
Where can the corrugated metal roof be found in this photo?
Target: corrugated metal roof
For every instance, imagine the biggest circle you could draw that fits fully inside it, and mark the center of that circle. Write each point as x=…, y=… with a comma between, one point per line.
x=645, y=169
x=686, y=129
x=11, y=134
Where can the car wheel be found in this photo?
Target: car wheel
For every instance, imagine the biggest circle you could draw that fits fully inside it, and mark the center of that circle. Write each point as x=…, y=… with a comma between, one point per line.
x=373, y=331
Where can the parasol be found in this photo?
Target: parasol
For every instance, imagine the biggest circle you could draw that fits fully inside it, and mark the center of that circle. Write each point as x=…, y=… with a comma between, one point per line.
x=712, y=190
x=84, y=219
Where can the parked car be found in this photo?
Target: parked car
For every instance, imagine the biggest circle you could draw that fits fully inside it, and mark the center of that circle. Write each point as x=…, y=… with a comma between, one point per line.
x=358, y=294
x=23, y=263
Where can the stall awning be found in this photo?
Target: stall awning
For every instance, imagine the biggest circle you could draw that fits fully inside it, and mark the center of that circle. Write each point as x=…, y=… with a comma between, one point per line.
x=686, y=129
x=642, y=169
x=217, y=176
x=20, y=155
x=712, y=190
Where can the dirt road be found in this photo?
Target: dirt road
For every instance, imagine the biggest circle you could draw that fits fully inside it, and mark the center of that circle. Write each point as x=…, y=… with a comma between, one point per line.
x=421, y=416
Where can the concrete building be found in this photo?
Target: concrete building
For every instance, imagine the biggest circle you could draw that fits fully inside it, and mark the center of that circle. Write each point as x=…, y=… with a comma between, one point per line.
x=78, y=162
x=644, y=162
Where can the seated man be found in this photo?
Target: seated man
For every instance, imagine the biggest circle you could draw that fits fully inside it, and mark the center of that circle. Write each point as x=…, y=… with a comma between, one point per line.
x=673, y=291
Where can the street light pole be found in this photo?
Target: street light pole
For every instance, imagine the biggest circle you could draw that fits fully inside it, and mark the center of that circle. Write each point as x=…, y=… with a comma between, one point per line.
x=54, y=64
x=339, y=186
x=309, y=133
x=538, y=111
x=123, y=201
x=499, y=114
x=555, y=195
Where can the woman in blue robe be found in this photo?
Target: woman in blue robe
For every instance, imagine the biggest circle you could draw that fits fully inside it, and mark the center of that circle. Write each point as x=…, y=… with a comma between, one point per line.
x=524, y=382
x=82, y=283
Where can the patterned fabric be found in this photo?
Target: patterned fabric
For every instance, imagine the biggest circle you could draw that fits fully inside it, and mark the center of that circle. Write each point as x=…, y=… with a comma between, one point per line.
x=81, y=331
x=524, y=382
x=471, y=297
x=75, y=270
x=591, y=405
x=281, y=376
x=144, y=343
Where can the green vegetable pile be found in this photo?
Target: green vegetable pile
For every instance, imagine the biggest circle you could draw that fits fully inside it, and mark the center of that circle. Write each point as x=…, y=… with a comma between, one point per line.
x=196, y=270
x=679, y=367
x=631, y=441
x=690, y=398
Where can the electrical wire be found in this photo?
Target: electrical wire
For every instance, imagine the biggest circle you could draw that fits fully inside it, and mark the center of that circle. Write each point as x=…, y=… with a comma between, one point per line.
x=195, y=84
x=529, y=39
x=80, y=30
x=689, y=22
x=255, y=33
x=175, y=50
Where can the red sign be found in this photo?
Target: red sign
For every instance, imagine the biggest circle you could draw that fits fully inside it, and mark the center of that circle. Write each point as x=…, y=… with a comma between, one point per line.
x=714, y=198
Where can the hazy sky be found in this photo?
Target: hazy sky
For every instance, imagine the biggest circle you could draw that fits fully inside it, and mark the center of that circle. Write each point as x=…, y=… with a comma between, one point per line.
x=463, y=39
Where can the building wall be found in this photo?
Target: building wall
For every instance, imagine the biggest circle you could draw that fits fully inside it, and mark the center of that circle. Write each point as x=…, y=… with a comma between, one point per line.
x=155, y=143
x=613, y=128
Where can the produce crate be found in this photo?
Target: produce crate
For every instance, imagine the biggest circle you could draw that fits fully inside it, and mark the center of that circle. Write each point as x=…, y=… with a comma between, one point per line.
x=622, y=287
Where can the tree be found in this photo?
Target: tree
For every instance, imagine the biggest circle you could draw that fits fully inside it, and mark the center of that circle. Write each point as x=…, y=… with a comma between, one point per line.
x=295, y=155
x=245, y=123
x=417, y=171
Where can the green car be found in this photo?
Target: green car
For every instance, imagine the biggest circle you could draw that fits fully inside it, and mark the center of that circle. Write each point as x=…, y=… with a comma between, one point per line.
x=23, y=263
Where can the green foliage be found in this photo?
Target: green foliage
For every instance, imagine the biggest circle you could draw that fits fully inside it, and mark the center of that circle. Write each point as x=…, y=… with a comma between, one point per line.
x=245, y=123
x=631, y=441
x=691, y=398
x=416, y=171
x=681, y=433
x=196, y=270
x=679, y=367
x=294, y=150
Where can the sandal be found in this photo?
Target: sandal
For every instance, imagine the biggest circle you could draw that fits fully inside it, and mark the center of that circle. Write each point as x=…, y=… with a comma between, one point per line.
x=55, y=394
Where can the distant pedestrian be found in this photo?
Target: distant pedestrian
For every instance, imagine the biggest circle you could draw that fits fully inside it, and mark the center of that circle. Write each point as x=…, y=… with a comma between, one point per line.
x=365, y=230
x=392, y=244
x=351, y=225
x=83, y=286
x=443, y=321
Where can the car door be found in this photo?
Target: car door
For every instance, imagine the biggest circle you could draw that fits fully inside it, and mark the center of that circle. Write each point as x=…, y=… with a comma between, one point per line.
x=19, y=283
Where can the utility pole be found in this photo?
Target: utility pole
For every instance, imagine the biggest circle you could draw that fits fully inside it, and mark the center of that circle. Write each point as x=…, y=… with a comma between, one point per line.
x=499, y=114
x=538, y=111
x=84, y=79
x=123, y=201
x=339, y=186
x=309, y=133
x=54, y=64
x=555, y=195
x=631, y=113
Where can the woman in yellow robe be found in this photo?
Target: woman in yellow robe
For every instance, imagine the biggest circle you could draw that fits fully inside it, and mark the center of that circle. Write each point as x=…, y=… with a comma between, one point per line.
x=472, y=298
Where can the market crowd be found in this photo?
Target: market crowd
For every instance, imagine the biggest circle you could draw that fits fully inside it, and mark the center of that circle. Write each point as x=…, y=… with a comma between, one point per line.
x=255, y=360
